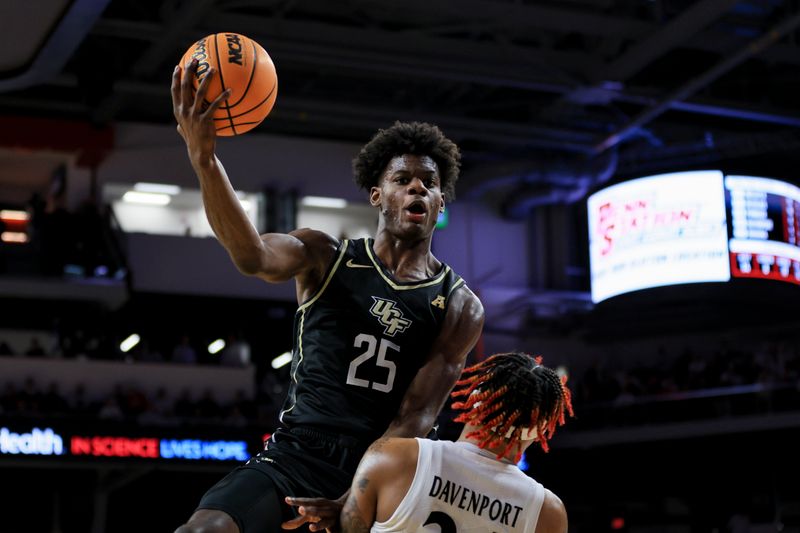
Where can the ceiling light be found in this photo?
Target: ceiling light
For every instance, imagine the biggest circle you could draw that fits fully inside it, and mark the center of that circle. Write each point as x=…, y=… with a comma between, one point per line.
x=147, y=198
x=323, y=201
x=126, y=345
x=161, y=188
x=216, y=346
x=12, y=214
x=282, y=360
x=13, y=236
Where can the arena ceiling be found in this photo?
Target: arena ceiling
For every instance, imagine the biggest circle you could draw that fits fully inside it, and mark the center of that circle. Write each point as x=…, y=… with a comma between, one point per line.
x=560, y=92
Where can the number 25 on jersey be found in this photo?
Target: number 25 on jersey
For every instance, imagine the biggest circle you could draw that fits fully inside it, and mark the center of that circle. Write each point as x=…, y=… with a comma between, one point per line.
x=373, y=347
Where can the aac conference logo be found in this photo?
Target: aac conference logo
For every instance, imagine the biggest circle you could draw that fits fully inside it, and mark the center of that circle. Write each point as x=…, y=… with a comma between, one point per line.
x=48, y=442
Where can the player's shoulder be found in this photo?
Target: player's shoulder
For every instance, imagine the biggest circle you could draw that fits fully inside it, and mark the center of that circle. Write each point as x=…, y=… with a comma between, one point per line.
x=465, y=304
x=315, y=238
x=553, y=516
x=393, y=446
x=392, y=454
x=464, y=295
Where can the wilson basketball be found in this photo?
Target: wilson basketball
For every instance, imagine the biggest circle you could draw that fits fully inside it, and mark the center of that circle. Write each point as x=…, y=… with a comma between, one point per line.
x=243, y=66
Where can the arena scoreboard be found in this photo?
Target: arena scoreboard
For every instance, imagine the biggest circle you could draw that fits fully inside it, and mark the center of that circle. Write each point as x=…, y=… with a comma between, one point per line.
x=692, y=227
x=764, y=228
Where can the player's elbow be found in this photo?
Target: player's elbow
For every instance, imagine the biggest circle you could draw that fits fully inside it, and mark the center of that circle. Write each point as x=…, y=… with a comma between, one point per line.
x=412, y=423
x=258, y=267
x=247, y=267
x=249, y=261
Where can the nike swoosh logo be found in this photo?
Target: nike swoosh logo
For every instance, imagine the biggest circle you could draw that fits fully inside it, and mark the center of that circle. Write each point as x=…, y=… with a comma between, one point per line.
x=356, y=265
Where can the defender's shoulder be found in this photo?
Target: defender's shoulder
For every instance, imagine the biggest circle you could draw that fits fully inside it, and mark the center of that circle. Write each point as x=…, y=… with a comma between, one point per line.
x=390, y=456
x=553, y=516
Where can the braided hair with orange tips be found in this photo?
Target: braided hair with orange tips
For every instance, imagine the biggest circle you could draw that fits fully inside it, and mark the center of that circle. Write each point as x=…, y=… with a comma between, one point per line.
x=509, y=393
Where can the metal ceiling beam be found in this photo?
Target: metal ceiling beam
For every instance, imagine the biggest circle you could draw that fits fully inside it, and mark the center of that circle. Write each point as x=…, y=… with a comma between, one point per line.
x=722, y=43
x=667, y=37
x=171, y=37
x=368, y=51
x=150, y=62
x=355, y=115
x=712, y=107
x=699, y=82
x=393, y=44
x=731, y=145
x=513, y=15
x=382, y=53
x=59, y=45
x=491, y=131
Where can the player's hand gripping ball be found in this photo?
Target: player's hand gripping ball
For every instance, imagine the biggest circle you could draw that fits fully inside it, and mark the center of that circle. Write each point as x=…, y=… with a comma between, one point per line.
x=242, y=66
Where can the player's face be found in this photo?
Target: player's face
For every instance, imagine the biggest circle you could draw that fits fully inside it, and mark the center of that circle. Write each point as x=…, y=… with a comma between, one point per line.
x=409, y=196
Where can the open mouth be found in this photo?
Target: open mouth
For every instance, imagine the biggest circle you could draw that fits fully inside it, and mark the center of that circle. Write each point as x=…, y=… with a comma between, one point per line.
x=416, y=208
x=416, y=212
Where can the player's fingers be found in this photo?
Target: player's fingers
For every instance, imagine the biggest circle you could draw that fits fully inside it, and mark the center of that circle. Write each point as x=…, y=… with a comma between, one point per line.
x=323, y=523
x=304, y=501
x=202, y=89
x=217, y=102
x=175, y=89
x=187, y=93
x=296, y=522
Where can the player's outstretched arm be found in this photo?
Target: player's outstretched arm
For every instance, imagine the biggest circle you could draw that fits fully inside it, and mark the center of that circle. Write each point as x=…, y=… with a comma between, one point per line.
x=272, y=257
x=431, y=386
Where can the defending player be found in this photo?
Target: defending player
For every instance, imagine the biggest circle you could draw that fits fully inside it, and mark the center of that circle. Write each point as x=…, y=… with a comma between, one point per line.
x=510, y=401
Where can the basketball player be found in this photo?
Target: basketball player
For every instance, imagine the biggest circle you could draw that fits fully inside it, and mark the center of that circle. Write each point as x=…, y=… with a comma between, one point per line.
x=382, y=330
x=510, y=402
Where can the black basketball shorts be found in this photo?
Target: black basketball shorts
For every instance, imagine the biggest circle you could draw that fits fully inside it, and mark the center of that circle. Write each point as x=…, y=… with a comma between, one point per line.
x=299, y=462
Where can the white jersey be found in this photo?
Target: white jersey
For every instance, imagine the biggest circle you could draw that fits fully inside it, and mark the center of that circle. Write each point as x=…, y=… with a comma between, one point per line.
x=460, y=488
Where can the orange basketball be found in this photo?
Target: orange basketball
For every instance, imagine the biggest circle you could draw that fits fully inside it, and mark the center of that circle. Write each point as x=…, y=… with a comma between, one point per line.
x=243, y=66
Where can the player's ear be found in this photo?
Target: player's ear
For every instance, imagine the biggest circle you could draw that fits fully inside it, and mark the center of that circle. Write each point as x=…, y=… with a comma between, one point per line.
x=375, y=196
x=441, y=207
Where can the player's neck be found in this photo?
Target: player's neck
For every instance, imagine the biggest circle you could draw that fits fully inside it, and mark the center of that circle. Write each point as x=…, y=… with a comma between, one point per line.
x=492, y=450
x=411, y=260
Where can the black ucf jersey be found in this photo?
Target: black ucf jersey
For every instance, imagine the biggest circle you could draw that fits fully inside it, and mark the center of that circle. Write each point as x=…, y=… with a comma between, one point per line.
x=359, y=341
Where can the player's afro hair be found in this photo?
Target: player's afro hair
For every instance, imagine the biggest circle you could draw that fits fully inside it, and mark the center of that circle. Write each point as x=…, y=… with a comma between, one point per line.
x=415, y=138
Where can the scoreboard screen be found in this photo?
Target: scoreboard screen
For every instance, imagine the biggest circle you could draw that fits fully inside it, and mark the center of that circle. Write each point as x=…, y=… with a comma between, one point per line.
x=658, y=230
x=692, y=227
x=764, y=228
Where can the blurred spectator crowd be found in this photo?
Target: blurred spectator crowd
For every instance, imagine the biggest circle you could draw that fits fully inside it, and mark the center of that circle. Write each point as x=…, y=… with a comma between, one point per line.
x=130, y=404
x=768, y=365
x=731, y=381
x=668, y=388
x=68, y=343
